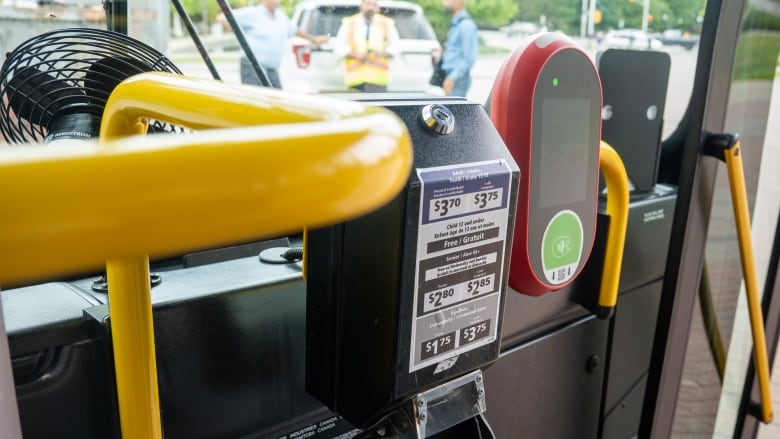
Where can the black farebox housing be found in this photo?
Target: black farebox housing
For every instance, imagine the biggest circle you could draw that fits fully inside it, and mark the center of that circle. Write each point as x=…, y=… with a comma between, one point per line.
x=366, y=303
x=634, y=84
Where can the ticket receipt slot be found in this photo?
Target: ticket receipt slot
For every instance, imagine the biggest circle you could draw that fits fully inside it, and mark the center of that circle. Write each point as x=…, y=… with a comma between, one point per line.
x=546, y=105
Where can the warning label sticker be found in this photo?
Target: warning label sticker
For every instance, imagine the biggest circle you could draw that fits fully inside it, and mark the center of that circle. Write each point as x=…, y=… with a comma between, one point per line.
x=460, y=252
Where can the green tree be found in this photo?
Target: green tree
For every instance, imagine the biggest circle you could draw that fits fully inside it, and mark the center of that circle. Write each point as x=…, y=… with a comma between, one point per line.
x=667, y=14
x=486, y=13
x=685, y=15
x=561, y=15
x=493, y=13
x=205, y=11
x=566, y=15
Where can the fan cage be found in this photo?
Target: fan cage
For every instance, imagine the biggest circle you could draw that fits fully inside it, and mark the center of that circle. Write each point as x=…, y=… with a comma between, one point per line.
x=77, y=67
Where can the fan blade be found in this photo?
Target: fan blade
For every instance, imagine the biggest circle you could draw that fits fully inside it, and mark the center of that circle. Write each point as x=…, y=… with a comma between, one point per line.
x=60, y=82
x=37, y=97
x=103, y=76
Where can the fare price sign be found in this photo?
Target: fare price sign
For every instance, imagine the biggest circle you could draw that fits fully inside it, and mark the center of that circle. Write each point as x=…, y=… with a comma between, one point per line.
x=464, y=204
x=458, y=293
x=460, y=254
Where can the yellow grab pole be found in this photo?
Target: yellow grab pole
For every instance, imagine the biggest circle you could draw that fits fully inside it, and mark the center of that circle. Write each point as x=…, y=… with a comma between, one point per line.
x=132, y=333
x=279, y=163
x=130, y=308
x=733, y=158
x=129, y=292
x=203, y=103
x=616, y=181
x=314, y=163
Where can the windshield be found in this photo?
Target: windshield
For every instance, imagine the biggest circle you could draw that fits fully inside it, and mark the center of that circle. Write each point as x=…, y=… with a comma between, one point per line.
x=662, y=38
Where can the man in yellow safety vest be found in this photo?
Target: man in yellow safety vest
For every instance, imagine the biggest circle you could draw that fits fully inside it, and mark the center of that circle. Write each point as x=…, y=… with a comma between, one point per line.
x=367, y=41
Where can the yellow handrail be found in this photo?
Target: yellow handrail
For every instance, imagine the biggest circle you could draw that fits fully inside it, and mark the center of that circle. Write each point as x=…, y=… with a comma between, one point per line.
x=733, y=157
x=68, y=209
x=132, y=335
x=616, y=181
x=317, y=161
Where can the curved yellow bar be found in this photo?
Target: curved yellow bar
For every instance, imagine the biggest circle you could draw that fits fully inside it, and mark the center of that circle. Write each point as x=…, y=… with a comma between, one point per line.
x=204, y=103
x=733, y=158
x=616, y=181
x=318, y=161
x=74, y=207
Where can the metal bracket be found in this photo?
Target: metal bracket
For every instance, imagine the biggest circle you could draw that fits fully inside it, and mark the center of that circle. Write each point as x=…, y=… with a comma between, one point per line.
x=100, y=285
x=436, y=410
x=716, y=145
x=449, y=404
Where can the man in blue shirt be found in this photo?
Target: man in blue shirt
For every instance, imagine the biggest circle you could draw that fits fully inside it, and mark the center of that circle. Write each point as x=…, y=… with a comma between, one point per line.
x=266, y=28
x=460, y=50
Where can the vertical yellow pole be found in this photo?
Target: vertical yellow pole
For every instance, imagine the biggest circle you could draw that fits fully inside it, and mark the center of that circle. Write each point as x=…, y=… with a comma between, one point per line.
x=130, y=305
x=733, y=157
x=618, y=199
x=132, y=330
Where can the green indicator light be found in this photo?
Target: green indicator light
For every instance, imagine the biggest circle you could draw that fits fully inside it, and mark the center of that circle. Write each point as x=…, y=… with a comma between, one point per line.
x=555, y=82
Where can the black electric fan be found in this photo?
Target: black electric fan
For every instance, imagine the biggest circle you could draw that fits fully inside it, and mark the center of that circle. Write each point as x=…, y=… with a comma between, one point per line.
x=54, y=86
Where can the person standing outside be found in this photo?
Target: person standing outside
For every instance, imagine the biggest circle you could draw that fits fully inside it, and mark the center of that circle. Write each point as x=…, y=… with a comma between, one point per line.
x=266, y=28
x=367, y=41
x=460, y=49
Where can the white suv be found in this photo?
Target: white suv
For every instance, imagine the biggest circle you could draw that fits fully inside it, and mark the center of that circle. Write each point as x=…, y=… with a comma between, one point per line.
x=631, y=39
x=317, y=70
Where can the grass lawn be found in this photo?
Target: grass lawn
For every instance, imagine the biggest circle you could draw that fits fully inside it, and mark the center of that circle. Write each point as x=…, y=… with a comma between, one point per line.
x=757, y=56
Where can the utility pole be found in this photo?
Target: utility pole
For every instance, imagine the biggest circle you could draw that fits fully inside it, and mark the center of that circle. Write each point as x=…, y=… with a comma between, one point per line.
x=591, y=16
x=645, y=14
x=587, y=27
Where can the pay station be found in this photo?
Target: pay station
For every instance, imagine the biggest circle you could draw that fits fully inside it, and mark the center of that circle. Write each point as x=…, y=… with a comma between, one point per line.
x=411, y=296
x=406, y=305
x=546, y=104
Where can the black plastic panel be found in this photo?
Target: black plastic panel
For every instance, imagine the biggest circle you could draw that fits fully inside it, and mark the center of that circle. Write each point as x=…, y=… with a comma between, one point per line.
x=230, y=353
x=548, y=388
x=634, y=84
x=623, y=421
x=74, y=398
x=43, y=316
x=631, y=341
